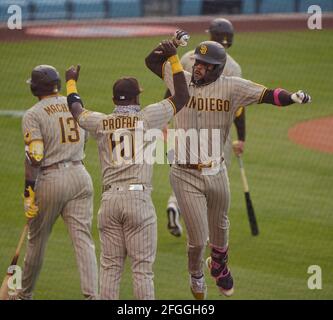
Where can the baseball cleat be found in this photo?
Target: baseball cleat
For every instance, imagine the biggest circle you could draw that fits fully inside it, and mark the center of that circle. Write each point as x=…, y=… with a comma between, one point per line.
x=174, y=225
x=222, y=275
x=198, y=287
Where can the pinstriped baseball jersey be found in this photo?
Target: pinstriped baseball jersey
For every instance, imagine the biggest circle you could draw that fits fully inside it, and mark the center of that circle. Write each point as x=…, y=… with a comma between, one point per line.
x=65, y=189
x=213, y=106
x=231, y=69
x=117, y=161
x=127, y=218
x=50, y=120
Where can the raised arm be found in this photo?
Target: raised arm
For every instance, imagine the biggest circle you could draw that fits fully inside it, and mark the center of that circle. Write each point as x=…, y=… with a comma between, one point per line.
x=281, y=97
x=156, y=59
x=181, y=95
x=74, y=101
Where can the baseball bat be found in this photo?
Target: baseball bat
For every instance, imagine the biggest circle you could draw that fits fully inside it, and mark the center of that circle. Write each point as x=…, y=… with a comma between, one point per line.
x=4, y=286
x=249, y=207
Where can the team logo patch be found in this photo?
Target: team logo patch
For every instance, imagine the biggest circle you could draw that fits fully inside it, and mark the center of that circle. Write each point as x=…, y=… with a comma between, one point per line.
x=203, y=49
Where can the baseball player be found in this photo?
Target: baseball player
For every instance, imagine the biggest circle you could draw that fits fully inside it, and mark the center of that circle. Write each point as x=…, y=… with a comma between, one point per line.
x=201, y=181
x=222, y=31
x=127, y=218
x=56, y=182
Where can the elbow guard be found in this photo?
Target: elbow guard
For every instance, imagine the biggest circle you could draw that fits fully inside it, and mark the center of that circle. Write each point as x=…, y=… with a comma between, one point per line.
x=35, y=152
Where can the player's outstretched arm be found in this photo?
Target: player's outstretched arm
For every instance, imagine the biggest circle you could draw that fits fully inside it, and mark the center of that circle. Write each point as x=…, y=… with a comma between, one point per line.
x=74, y=101
x=281, y=97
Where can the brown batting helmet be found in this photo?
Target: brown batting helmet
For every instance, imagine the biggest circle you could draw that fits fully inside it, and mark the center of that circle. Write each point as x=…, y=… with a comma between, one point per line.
x=213, y=53
x=45, y=80
x=222, y=31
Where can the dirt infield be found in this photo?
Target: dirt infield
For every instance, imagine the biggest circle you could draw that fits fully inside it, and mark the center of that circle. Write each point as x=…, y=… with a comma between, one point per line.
x=153, y=26
x=314, y=134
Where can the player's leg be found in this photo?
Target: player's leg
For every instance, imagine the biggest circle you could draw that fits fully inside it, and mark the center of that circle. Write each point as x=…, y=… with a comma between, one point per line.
x=140, y=231
x=113, y=250
x=49, y=201
x=218, y=201
x=78, y=215
x=173, y=214
x=189, y=187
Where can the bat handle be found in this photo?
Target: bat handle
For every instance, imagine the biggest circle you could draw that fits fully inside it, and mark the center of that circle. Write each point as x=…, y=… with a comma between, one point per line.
x=19, y=246
x=242, y=170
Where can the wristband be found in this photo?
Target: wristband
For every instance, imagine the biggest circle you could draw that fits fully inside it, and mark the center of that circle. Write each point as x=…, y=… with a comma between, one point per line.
x=72, y=98
x=175, y=64
x=71, y=87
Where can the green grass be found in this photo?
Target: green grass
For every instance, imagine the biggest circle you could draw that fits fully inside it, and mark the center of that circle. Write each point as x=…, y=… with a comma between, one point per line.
x=291, y=186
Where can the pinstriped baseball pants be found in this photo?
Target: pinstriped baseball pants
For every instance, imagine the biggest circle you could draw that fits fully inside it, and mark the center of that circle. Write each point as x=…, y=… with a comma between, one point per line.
x=204, y=204
x=127, y=227
x=67, y=192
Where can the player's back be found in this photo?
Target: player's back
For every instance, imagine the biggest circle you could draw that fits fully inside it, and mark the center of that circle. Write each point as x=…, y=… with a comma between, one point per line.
x=116, y=137
x=50, y=120
x=122, y=143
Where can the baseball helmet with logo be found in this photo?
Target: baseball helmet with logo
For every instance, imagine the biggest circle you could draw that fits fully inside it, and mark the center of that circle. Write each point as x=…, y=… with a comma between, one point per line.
x=222, y=31
x=210, y=52
x=45, y=80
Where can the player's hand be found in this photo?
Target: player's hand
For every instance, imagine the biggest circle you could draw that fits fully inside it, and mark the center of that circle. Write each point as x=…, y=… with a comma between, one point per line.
x=180, y=38
x=168, y=48
x=301, y=97
x=73, y=73
x=238, y=147
x=30, y=207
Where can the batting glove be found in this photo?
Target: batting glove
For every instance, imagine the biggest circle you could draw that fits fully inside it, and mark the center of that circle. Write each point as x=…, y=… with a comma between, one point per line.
x=181, y=38
x=30, y=208
x=301, y=97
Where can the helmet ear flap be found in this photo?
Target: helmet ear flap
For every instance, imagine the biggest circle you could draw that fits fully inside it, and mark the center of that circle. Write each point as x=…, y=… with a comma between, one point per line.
x=39, y=90
x=58, y=86
x=214, y=74
x=34, y=89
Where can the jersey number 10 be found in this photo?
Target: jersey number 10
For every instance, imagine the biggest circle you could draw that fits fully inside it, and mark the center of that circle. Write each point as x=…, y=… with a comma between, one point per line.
x=122, y=148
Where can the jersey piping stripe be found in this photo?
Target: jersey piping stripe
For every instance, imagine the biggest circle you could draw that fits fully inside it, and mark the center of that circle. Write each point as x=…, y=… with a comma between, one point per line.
x=173, y=105
x=262, y=95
